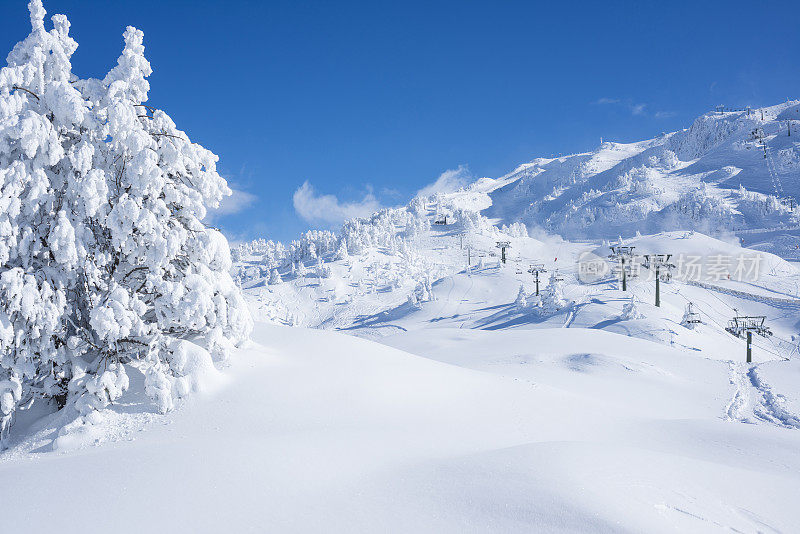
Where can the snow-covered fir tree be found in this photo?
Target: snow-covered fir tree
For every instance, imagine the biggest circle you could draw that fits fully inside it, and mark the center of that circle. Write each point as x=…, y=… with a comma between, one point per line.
x=275, y=277
x=104, y=260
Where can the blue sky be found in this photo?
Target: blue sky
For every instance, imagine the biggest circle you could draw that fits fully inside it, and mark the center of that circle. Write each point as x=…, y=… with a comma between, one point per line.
x=369, y=102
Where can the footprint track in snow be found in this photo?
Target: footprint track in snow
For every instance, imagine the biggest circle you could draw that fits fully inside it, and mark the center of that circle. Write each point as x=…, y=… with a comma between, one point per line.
x=754, y=400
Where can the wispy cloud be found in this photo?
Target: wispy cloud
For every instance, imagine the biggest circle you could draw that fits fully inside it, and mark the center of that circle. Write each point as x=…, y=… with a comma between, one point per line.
x=637, y=109
x=237, y=202
x=604, y=101
x=328, y=209
x=447, y=182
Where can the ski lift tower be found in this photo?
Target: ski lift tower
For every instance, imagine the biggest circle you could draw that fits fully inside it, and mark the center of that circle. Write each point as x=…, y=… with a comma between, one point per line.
x=535, y=269
x=745, y=325
x=623, y=255
x=503, y=245
x=660, y=263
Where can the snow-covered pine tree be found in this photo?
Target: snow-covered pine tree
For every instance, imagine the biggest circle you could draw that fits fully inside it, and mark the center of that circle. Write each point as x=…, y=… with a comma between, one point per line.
x=275, y=277
x=104, y=260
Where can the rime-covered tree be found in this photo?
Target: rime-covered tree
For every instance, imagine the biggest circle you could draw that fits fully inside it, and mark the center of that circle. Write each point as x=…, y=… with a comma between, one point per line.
x=104, y=260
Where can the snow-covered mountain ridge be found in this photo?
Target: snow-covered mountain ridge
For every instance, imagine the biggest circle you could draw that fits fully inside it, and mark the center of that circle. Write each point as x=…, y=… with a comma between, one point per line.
x=729, y=171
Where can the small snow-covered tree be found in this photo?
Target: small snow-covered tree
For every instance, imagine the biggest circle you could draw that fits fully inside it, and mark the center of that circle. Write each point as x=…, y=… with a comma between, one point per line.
x=275, y=277
x=522, y=300
x=417, y=207
x=423, y=292
x=104, y=259
x=341, y=252
x=323, y=271
x=553, y=294
x=631, y=311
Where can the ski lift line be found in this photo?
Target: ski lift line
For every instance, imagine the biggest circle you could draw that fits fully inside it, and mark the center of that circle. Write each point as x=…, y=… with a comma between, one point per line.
x=777, y=348
x=761, y=347
x=678, y=292
x=710, y=292
x=772, y=170
x=710, y=317
x=771, y=161
x=722, y=301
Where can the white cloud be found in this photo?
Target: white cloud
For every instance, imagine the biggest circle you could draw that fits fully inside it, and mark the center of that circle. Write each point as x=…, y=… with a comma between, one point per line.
x=237, y=202
x=447, y=182
x=664, y=114
x=328, y=209
x=638, y=109
x=605, y=100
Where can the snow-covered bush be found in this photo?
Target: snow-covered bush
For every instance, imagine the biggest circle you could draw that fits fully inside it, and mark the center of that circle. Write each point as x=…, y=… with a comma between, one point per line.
x=103, y=255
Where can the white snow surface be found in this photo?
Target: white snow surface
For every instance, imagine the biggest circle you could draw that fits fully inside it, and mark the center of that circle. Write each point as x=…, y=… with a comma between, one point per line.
x=461, y=431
